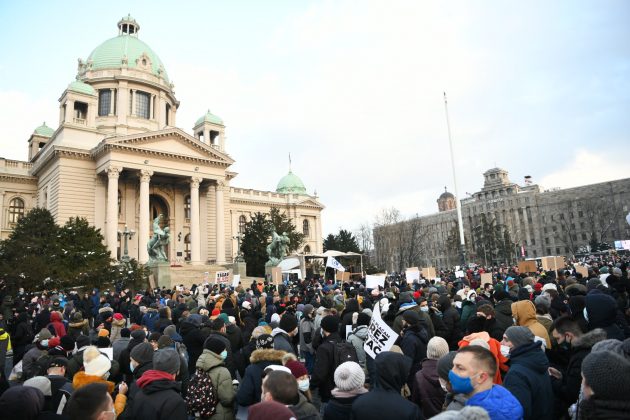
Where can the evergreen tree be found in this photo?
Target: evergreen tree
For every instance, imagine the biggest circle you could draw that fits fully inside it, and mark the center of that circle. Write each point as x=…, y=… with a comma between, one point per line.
x=254, y=244
x=344, y=241
x=330, y=242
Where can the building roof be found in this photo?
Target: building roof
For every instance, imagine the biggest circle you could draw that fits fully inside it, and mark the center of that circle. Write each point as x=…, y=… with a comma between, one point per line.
x=209, y=117
x=44, y=130
x=80, y=87
x=290, y=183
x=446, y=195
x=110, y=54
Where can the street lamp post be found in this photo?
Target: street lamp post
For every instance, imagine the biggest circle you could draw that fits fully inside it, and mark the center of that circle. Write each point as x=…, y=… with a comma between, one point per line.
x=126, y=235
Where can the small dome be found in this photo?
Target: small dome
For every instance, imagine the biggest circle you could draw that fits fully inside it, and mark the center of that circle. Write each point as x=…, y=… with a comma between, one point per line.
x=291, y=184
x=44, y=130
x=445, y=195
x=127, y=46
x=209, y=117
x=80, y=87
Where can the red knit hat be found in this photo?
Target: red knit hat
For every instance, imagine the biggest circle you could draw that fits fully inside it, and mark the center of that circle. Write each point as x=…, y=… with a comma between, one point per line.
x=54, y=342
x=538, y=287
x=297, y=369
x=417, y=294
x=215, y=313
x=269, y=410
x=118, y=316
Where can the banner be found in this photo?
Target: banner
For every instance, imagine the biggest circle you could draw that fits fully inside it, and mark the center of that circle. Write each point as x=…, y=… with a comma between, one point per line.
x=236, y=279
x=412, y=275
x=222, y=277
x=331, y=262
x=379, y=337
x=372, y=282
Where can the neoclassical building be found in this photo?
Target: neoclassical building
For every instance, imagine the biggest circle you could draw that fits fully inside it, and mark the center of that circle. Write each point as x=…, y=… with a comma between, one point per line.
x=119, y=159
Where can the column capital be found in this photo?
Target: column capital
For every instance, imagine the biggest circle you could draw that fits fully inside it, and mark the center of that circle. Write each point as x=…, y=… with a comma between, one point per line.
x=195, y=181
x=145, y=175
x=220, y=183
x=113, y=171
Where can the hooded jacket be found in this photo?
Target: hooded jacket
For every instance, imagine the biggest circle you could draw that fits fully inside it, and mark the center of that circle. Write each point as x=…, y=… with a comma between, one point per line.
x=427, y=391
x=149, y=319
x=117, y=326
x=524, y=312
x=602, y=313
x=498, y=402
x=384, y=400
x=249, y=389
x=159, y=398
x=357, y=339
x=503, y=314
x=77, y=328
x=450, y=317
x=193, y=339
x=414, y=345
x=214, y=365
x=529, y=381
x=56, y=324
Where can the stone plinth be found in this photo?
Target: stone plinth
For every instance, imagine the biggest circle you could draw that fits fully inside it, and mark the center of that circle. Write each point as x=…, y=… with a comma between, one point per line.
x=161, y=273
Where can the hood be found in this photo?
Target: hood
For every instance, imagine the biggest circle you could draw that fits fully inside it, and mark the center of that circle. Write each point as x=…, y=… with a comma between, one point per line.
x=119, y=323
x=187, y=327
x=78, y=324
x=361, y=331
x=524, y=312
x=267, y=355
x=429, y=371
x=277, y=331
x=588, y=340
x=601, y=309
x=445, y=302
x=393, y=370
x=207, y=360
x=81, y=379
x=530, y=356
x=105, y=309
x=156, y=380
x=504, y=307
x=55, y=317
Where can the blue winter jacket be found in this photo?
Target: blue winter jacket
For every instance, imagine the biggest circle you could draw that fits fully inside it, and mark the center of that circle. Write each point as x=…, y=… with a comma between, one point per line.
x=499, y=403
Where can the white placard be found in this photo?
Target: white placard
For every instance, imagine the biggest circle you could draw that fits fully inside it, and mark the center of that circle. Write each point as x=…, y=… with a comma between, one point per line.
x=236, y=279
x=412, y=275
x=457, y=267
x=459, y=274
x=379, y=337
x=222, y=277
x=109, y=351
x=372, y=282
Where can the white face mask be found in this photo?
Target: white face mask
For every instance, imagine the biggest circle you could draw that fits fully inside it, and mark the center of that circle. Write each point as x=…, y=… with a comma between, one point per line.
x=458, y=304
x=585, y=314
x=303, y=385
x=505, y=350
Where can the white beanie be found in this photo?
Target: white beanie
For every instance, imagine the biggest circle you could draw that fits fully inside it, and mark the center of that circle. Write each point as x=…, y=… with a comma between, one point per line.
x=95, y=363
x=349, y=376
x=246, y=305
x=436, y=348
x=549, y=286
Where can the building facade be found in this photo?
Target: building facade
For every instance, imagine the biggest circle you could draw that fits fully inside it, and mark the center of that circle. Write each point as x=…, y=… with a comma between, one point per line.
x=505, y=221
x=117, y=158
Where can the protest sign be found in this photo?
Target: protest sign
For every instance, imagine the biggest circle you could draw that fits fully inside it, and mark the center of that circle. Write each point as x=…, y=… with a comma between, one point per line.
x=582, y=270
x=459, y=274
x=236, y=279
x=343, y=276
x=428, y=272
x=152, y=281
x=486, y=278
x=412, y=275
x=527, y=266
x=276, y=275
x=222, y=277
x=380, y=336
x=372, y=282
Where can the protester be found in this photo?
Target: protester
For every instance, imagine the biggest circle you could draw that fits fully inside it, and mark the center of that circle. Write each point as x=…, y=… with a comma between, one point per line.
x=606, y=386
x=349, y=385
x=91, y=402
x=282, y=387
x=264, y=355
x=427, y=392
x=324, y=370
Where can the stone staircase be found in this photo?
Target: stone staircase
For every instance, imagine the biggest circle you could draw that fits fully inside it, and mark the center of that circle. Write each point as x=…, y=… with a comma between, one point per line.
x=193, y=274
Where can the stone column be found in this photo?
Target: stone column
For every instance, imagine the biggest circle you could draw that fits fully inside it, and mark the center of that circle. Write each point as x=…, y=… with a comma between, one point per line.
x=206, y=136
x=220, y=223
x=112, y=98
x=112, y=210
x=143, y=222
x=69, y=117
x=195, y=228
x=132, y=92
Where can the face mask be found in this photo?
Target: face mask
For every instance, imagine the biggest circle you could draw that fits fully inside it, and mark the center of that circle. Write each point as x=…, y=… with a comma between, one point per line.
x=514, y=320
x=458, y=304
x=131, y=367
x=303, y=385
x=44, y=343
x=460, y=384
x=505, y=351
x=424, y=308
x=585, y=314
x=223, y=354
x=443, y=385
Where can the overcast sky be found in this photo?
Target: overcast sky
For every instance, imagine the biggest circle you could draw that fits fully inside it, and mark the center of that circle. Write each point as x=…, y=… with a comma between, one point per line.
x=353, y=89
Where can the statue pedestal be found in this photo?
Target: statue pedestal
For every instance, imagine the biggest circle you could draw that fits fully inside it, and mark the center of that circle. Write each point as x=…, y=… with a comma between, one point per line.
x=238, y=268
x=161, y=271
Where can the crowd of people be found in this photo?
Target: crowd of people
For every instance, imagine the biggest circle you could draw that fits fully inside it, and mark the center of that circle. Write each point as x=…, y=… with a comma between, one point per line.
x=544, y=345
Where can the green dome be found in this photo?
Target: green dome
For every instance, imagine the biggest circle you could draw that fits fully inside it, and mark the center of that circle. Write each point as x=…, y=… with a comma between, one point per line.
x=291, y=184
x=44, y=130
x=80, y=87
x=209, y=117
x=110, y=54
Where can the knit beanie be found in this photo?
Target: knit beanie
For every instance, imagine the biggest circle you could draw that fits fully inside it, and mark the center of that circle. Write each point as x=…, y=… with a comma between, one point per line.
x=330, y=323
x=214, y=345
x=142, y=353
x=67, y=342
x=165, y=341
x=308, y=308
x=77, y=317
x=103, y=332
x=44, y=334
x=445, y=364
x=349, y=376
x=608, y=375
x=125, y=333
x=102, y=342
x=82, y=341
x=288, y=323
x=411, y=317
x=611, y=344
x=519, y=335
x=166, y=360
x=363, y=319
x=95, y=363
x=138, y=335
x=154, y=336
x=264, y=341
x=260, y=330
x=269, y=410
x=436, y=348
x=297, y=369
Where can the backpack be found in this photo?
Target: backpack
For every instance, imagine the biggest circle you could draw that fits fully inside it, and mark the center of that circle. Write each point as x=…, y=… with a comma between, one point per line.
x=201, y=395
x=344, y=352
x=182, y=350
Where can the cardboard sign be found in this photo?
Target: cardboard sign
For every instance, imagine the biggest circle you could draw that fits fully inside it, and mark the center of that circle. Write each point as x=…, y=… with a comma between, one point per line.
x=276, y=275
x=343, y=276
x=582, y=270
x=553, y=263
x=222, y=277
x=413, y=269
x=372, y=282
x=560, y=264
x=527, y=267
x=459, y=274
x=152, y=282
x=428, y=272
x=486, y=278
x=412, y=275
x=236, y=279
x=380, y=337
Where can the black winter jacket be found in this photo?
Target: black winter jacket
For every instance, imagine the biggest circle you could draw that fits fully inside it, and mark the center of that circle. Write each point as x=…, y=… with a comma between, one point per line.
x=158, y=399
x=324, y=369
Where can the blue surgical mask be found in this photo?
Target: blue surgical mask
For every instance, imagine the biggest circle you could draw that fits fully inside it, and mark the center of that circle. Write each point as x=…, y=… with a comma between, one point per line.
x=424, y=308
x=131, y=367
x=223, y=354
x=303, y=385
x=44, y=343
x=460, y=384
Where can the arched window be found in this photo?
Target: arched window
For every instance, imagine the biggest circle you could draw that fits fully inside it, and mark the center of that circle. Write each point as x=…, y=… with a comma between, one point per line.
x=305, y=228
x=16, y=210
x=187, y=207
x=241, y=224
x=187, y=247
x=307, y=249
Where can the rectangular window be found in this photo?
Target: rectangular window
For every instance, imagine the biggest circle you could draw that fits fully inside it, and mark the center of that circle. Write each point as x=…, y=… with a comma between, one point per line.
x=535, y=253
x=561, y=216
x=168, y=111
x=548, y=251
x=554, y=228
x=557, y=251
x=547, y=241
x=142, y=104
x=580, y=213
x=104, y=102
x=545, y=229
x=582, y=225
x=584, y=236
x=533, y=241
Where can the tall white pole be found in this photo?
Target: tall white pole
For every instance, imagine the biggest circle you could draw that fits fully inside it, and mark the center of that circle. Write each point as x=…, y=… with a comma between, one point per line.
x=458, y=206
